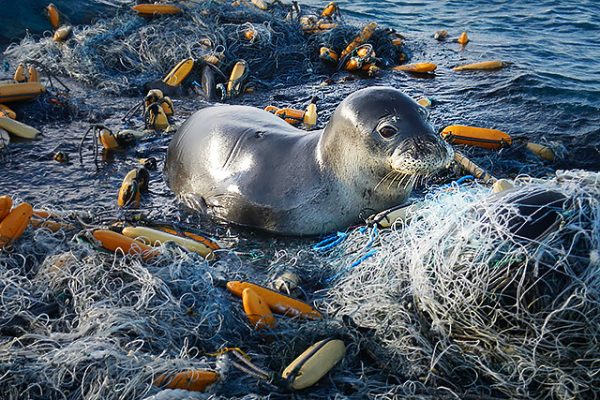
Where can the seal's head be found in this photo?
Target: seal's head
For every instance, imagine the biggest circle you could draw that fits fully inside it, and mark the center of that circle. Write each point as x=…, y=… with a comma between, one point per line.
x=383, y=131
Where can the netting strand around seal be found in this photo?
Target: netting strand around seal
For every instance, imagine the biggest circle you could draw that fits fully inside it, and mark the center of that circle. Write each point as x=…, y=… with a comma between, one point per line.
x=466, y=295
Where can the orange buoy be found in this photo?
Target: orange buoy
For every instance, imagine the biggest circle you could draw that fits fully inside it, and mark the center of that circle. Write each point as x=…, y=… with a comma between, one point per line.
x=5, y=206
x=418, y=67
x=52, y=226
x=14, y=224
x=53, y=16
x=277, y=302
x=329, y=10
x=327, y=54
x=249, y=34
x=135, y=182
x=362, y=37
x=196, y=380
x=492, y=139
x=112, y=241
x=258, y=312
x=483, y=66
x=463, y=38
x=205, y=241
x=152, y=10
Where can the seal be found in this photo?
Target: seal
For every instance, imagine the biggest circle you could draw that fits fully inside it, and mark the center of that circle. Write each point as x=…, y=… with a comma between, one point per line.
x=249, y=167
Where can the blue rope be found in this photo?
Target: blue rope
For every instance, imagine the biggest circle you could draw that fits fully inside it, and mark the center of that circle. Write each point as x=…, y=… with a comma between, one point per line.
x=462, y=179
x=356, y=263
x=330, y=241
x=373, y=235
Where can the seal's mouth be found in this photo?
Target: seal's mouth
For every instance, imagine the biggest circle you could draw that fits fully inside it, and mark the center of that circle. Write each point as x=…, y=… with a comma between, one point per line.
x=421, y=156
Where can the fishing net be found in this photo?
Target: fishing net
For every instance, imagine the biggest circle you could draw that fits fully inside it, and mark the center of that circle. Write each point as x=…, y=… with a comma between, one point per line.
x=460, y=297
x=122, y=53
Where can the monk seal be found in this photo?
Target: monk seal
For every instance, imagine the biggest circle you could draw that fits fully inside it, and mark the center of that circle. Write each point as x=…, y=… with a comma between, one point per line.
x=249, y=167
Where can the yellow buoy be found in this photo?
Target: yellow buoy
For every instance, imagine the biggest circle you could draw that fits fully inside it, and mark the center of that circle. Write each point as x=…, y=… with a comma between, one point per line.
x=113, y=241
x=6, y=112
x=155, y=236
x=486, y=138
x=10, y=92
x=314, y=363
x=310, y=116
x=484, y=65
x=260, y=4
x=62, y=33
x=235, y=78
x=502, y=185
x=543, y=152
x=179, y=73
x=327, y=54
x=18, y=128
x=418, y=67
x=33, y=73
x=425, y=102
x=463, y=38
x=473, y=168
x=19, y=75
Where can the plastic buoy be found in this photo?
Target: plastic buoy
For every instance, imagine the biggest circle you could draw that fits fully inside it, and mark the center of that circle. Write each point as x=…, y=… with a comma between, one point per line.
x=62, y=33
x=18, y=128
x=473, y=168
x=543, y=152
x=153, y=236
x=327, y=54
x=480, y=66
x=10, y=92
x=113, y=241
x=314, y=363
x=53, y=16
x=277, y=302
x=14, y=224
x=362, y=37
x=386, y=218
x=195, y=380
x=5, y=206
x=258, y=312
x=19, y=75
x=486, y=138
x=153, y=10
x=135, y=182
x=425, y=102
x=211, y=244
x=6, y=112
x=440, y=35
x=177, y=75
x=463, y=38
x=502, y=185
x=33, y=73
x=329, y=10
x=234, y=84
x=260, y=4
x=418, y=67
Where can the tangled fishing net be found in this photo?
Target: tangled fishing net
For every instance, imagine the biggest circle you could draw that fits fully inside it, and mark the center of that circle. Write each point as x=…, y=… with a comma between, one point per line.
x=462, y=298
x=122, y=53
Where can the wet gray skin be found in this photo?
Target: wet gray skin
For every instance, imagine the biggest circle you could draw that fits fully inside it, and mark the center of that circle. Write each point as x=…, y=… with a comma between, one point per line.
x=249, y=167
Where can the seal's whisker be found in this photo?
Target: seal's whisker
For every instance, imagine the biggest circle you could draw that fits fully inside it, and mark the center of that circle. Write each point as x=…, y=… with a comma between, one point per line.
x=398, y=175
x=383, y=179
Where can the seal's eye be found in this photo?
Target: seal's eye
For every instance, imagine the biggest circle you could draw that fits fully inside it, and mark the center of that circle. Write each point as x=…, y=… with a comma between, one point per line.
x=387, y=131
